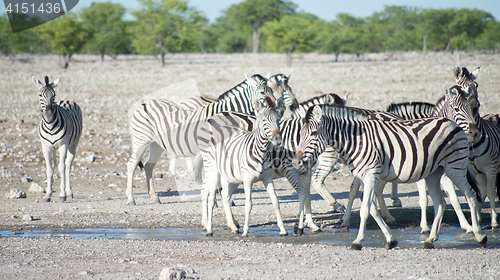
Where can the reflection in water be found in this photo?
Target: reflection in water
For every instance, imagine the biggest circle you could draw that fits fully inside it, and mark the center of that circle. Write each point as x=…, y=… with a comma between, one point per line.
x=450, y=237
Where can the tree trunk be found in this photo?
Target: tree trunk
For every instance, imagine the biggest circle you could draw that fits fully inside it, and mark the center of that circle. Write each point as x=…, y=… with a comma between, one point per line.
x=255, y=41
x=162, y=58
x=424, y=48
x=102, y=57
x=448, y=47
x=288, y=58
x=337, y=56
x=64, y=60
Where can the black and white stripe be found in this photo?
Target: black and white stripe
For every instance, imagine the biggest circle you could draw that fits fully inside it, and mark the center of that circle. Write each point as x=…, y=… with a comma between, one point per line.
x=60, y=129
x=163, y=125
x=392, y=151
x=233, y=155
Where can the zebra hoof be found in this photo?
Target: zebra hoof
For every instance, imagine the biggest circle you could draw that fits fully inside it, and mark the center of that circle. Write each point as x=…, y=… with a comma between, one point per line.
x=397, y=203
x=235, y=231
x=62, y=199
x=298, y=231
x=483, y=242
x=156, y=201
x=209, y=234
x=285, y=233
x=131, y=202
x=70, y=196
x=46, y=199
x=391, y=245
x=355, y=246
x=316, y=230
x=428, y=245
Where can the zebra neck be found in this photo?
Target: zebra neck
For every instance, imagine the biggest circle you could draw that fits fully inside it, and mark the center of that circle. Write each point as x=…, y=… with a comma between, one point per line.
x=50, y=115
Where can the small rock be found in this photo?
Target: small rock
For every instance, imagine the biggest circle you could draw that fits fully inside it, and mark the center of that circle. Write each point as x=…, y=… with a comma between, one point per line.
x=27, y=217
x=15, y=194
x=27, y=179
x=170, y=273
x=36, y=188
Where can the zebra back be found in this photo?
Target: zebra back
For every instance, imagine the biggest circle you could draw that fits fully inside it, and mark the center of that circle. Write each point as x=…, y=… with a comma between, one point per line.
x=412, y=110
x=61, y=122
x=195, y=102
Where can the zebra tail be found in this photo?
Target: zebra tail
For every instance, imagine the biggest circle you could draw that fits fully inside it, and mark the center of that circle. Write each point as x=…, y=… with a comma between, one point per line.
x=473, y=183
x=198, y=168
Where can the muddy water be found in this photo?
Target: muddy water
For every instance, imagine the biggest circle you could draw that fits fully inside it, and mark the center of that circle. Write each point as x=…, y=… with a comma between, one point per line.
x=450, y=237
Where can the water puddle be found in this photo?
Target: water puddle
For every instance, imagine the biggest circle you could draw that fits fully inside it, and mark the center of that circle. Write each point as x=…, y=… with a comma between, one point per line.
x=450, y=237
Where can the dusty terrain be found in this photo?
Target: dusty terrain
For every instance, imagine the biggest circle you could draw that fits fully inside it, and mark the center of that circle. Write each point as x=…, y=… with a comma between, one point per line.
x=106, y=91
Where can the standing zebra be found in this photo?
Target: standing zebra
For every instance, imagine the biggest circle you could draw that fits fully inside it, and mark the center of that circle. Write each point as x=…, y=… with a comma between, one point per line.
x=282, y=156
x=392, y=151
x=163, y=125
x=234, y=155
x=289, y=100
x=464, y=78
x=60, y=129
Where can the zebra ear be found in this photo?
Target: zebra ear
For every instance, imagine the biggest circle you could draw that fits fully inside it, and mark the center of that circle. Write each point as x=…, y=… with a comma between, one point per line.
x=317, y=112
x=474, y=73
x=268, y=76
x=55, y=83
x=251, y=81
x=37, y=82
x=447, y=92
x=345, y=98
x=458, y=72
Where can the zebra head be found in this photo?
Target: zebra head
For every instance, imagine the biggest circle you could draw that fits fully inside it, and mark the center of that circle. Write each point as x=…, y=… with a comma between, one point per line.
x=268, y=120
x=261, y=90
x=312, y=141
x=465, y=79
x=46, y=93
x=457, y=108
x=279, y=85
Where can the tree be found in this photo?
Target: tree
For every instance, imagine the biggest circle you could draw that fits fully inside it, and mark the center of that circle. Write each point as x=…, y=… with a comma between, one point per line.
x=65, y=36
x=344, y=35
x=292, y=33
x=106, y=22
x=167, y=26
x=255, y=13
x=490, y=38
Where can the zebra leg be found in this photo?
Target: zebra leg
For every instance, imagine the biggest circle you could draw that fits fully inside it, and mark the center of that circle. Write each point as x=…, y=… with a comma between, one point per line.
x=227, y=191
x=155, y=152
x=326, y=162
x=432, y=183
x=63, y=152
x=172, y=164
x=491, y=193
x=306, y=181
x=346, y=219
x=379, y=192
x=422, y=200
x=189, y=164
x=131, y=166
x=211, y=186
x=463, y=185
x=268, y=181
x=396, y=202
x=48, y=154
x=449, y=188
x=69, y=163
x=247, y=185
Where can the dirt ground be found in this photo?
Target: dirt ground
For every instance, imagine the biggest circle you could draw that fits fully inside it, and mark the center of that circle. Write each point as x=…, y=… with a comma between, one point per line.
x=106, y=92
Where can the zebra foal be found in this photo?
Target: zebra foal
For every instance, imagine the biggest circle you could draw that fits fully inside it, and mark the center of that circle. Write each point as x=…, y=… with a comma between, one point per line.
x=233, y=155
x=60, y=129
x=392, y=151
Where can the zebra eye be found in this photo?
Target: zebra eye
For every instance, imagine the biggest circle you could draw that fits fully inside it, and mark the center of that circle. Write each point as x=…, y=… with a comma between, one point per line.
x=314, y=133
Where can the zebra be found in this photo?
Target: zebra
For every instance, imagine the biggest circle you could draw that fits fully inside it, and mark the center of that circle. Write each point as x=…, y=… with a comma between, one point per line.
x=281, y=156
x=464, y=78
x=234, y=155
x=163, y=125
x=60, y=129
x=289, y=100
x=392, y=151
x=191, y=103
x=484, y=157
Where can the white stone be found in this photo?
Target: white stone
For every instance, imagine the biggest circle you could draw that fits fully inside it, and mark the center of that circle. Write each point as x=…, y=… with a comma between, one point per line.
x=170, y=273
x=15, y=194
x=36, y=188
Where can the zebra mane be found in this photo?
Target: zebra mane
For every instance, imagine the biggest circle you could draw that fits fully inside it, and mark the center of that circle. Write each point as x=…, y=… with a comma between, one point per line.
x=338, y=112
x=319, y=99
x=228, y=93
x=394, y=106
x=47, y=81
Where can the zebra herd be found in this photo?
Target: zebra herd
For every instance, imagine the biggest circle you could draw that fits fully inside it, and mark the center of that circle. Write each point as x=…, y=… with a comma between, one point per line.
x=258, y=131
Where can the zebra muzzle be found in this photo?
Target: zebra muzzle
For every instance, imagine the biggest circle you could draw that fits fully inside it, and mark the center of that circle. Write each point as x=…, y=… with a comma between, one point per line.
x=297, y=161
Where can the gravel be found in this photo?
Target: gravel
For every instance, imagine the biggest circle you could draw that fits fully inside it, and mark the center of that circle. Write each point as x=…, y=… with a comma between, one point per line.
x=106, y=91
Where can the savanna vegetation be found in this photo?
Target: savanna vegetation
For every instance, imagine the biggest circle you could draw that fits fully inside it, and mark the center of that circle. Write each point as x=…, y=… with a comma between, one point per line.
x=173, y=26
